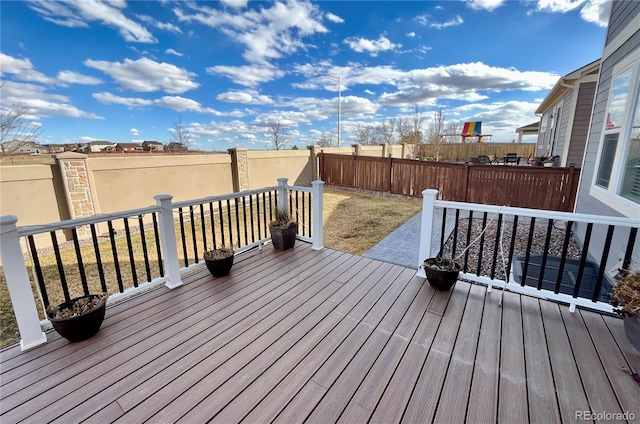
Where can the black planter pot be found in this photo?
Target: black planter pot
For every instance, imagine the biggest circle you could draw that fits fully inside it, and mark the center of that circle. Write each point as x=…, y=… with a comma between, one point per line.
x=632, y=329
x=440, y=279
x=219, y=267
x=77, y=329
x=284, y=238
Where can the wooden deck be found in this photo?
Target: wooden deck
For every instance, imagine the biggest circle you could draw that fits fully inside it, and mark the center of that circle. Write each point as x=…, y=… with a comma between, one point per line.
x=325, y=336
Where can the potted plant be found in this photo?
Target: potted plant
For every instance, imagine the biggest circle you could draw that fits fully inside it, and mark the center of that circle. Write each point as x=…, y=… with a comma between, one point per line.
x=283, y=230
x=442, y=272
x=219, y=261
x=626, y=300
x=80, y=318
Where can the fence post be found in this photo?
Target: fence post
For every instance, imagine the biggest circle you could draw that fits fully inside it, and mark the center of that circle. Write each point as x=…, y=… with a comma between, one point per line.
x=314, y=154
x=168, y=241
x=426, y=229
x=317, y=215
x=390, y=173
x=465, y=195
x=19, y=285
x=283, y=204
x=239, y=168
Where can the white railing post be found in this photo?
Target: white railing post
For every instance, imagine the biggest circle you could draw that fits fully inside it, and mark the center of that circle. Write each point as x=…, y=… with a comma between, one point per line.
x=168, y=241
x=283, y=188
x=15, y=272
x=426, y=228
x=317, y=215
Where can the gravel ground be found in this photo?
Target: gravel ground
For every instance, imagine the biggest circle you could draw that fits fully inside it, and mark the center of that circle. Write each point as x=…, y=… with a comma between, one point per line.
x=520, y=245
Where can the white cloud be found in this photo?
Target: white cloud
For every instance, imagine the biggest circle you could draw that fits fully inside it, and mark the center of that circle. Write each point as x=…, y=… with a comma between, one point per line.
x=244, y=96
x=267, y=33
x=177, y=103
x=334, y=18
x=180, y=104
x=40, y=103
x=411, y=34
x=248, y=75
x=72, y=77
x=452, y=22
x=561, y=6
x=75, y=14
x=462, y=82
x=160, y=25
x=373, y=47
x=422, y=19
x=235, y=4
x=369, y=92
x=108, y=98
x=23, y=70
x=173, y=52
x=134, y=132
x=147, y=75
x=596, y=11
x=488, y=5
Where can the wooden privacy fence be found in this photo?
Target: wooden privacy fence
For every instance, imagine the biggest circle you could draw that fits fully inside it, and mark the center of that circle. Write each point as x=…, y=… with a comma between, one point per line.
x=549, y=188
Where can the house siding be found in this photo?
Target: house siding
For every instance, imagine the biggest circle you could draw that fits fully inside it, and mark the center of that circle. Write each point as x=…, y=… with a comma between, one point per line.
x=622, y=12
x=579, y=130
x=565, y=115
x=545, y=138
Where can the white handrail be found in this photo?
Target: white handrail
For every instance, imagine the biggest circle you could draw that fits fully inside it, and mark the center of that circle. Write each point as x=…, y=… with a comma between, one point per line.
x=17, y=276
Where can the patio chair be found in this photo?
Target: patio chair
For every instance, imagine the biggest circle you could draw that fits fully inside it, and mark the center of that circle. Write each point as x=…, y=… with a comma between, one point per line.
x=511, y=158
x=484, y=160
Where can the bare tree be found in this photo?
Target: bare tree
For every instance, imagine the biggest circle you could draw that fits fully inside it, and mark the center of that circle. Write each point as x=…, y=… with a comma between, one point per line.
x=434, y=133
x=326, y=139
x=411, y=127
x=417, y=119
x=16, y=130
x=385, y=131
x=280, y=135
x=403, y=126
x=362, y=134
x=452, y=131
x=181, y=135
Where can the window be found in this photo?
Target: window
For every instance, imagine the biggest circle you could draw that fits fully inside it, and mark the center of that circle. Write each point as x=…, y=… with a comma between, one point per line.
x=617, y=174
x=631, y=173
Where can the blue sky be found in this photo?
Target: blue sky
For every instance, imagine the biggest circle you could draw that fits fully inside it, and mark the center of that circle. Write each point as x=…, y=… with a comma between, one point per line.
x=126, y=71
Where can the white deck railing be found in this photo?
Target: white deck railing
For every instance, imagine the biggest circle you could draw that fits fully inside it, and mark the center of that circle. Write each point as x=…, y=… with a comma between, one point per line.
x=432, y=228
x=17, y=275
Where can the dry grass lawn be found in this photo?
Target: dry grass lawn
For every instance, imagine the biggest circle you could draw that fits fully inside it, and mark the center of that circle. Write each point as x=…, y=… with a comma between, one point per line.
x=353, y=222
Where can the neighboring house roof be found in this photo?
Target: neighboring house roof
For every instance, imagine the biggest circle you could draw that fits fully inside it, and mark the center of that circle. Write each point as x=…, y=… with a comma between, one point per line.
x=128, y=145
x=530, y=129
x=565, y=83
x=100, y=143
x=174, y=145
x=151, y=143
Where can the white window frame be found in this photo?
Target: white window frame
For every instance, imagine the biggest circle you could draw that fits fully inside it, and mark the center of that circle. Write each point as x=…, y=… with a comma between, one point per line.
x=610, y=194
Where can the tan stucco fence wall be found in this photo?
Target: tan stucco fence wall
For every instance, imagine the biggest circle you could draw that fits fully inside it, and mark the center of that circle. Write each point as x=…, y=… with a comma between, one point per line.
x=80, y=185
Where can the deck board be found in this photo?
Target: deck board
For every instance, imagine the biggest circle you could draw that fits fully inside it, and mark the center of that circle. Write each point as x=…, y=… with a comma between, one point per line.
x=543, y=406
x=512, y=400
x=570, y=392
x=325, y=336
x=593, y=375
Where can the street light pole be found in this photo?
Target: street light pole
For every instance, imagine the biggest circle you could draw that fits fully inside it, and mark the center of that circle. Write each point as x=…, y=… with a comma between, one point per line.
x=339, y=107
x=339, y=79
